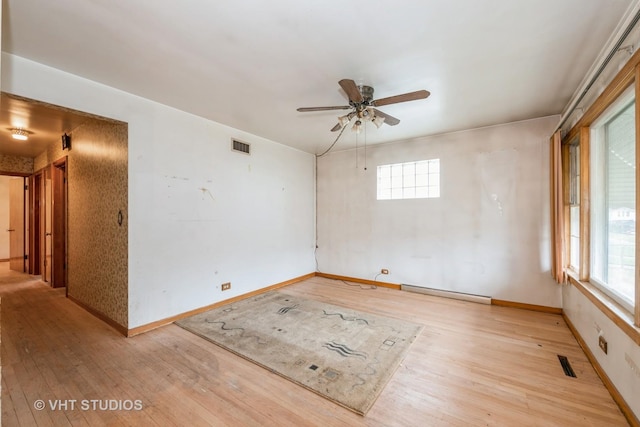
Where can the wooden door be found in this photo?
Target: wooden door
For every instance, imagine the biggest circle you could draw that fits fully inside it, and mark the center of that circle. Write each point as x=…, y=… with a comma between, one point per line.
x=35, y=221
x=46, y=275
x=59, y=225
x=16, y=224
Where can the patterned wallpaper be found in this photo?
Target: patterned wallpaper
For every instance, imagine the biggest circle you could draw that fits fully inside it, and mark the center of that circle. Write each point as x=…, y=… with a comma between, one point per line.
x=97, y=179
x=16, y=164
x=98, y=245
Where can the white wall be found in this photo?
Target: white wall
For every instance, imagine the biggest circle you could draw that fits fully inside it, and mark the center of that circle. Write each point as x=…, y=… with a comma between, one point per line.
x=4, y=217
x=199, y=214
x=622, y=361
x=487, y=234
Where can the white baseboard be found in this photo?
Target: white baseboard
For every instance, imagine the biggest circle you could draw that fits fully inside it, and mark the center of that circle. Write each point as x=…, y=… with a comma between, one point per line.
x=480, y=299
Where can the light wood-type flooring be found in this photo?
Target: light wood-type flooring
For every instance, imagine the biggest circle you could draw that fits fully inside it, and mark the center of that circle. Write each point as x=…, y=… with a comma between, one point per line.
x=473, y=365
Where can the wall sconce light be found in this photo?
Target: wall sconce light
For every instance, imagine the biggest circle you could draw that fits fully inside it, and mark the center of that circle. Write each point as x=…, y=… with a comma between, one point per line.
x=66, y=142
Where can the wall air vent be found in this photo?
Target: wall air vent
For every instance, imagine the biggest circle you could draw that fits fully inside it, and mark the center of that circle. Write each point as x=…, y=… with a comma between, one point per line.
x=240, y=146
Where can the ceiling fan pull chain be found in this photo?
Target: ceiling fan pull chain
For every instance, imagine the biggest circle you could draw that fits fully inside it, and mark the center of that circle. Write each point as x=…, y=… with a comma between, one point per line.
x=365, y=146
x=356, y=150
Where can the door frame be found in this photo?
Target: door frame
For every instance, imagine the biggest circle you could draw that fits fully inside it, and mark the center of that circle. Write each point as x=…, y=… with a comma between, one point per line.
x=59, y=223
x=36, y=182
x=19, y=258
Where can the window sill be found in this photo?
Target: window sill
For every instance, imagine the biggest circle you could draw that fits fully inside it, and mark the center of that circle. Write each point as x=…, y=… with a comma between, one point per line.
x=614, y=311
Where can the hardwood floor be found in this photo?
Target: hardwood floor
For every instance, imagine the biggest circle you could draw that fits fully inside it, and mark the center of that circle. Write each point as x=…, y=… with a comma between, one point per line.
x=473, y=365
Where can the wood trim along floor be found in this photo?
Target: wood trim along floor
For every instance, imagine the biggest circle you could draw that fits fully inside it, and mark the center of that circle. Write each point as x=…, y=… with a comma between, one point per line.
x=523, y=306
x=356, y=280
x=158, y=323
x=106, y=319
x=497, y=302
x=617, y=397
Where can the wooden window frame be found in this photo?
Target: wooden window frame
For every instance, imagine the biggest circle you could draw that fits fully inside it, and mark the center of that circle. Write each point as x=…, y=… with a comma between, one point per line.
x=568, y=203
x=627, y=76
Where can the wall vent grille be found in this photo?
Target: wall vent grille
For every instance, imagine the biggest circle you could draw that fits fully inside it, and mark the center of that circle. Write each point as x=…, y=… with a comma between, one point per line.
x=240, y=146
x=566, y=366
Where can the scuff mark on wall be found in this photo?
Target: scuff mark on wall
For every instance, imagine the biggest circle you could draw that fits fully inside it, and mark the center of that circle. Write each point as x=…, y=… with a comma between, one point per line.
x=498, y=172
x=181, y=178
x=206, y=191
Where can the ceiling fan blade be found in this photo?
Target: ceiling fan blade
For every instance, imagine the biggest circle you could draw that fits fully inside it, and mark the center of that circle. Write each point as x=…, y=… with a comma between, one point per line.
x=411, y=96
x=390, y=120
x=351, y=89
x=341, y=107
x=336, y=128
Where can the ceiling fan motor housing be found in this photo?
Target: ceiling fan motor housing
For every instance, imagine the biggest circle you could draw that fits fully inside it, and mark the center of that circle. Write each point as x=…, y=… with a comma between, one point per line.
x=367, y=93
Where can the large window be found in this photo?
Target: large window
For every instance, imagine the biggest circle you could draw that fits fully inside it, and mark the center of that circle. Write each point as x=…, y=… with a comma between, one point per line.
x=613, y=201
x=410, y=180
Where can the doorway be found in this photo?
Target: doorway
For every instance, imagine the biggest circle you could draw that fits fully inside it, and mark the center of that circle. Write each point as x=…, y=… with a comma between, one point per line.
x=36, y=209
x=48, y=222
x=16, y=230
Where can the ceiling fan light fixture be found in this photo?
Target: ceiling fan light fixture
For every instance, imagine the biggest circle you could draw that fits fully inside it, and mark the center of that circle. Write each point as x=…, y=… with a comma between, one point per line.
x=20, y=134
x=378, y=121
x=344, y=120
x=368, y=114
x=362, y=107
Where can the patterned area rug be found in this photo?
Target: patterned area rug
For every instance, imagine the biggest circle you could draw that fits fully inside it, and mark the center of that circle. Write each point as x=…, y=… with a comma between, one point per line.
x=343, y=355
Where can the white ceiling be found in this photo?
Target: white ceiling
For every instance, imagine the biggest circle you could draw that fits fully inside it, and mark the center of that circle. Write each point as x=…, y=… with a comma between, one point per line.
x=250, y=63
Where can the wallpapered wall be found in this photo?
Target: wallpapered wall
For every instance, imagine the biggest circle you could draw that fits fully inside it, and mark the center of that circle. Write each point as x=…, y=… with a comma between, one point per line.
x=97, y=177
x=16, y=164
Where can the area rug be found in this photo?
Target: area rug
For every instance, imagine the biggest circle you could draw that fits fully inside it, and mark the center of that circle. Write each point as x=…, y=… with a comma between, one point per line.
x=344, y=355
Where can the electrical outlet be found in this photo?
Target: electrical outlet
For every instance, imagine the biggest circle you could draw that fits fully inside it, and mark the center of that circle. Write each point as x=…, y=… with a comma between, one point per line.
x=602, y=343
x=384, y=271
x=632, y=365
x=226, y=286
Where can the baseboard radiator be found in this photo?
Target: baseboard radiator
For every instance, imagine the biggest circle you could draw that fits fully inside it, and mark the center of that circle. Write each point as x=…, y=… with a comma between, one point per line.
x=480, y=299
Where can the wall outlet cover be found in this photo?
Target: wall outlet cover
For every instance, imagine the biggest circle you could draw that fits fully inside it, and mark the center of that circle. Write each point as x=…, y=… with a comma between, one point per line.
x=602, y=343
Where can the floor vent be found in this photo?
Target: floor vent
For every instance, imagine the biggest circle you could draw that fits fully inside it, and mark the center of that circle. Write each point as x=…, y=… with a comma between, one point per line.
x=566, y=366
x=242, y=147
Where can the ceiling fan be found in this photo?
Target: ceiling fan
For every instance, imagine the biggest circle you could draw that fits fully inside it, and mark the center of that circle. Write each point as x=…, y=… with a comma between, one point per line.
x=362, y=106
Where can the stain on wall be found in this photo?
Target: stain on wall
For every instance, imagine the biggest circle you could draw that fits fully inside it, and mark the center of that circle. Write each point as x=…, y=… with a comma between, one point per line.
x=16, y=164
x=485, y=235
x=97, y=180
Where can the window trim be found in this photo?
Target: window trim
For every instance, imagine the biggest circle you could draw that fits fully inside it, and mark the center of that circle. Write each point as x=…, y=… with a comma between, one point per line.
x=428, y=187
x=628, y=75
x=609, y=307
x=596, y=133
x=573, y=199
